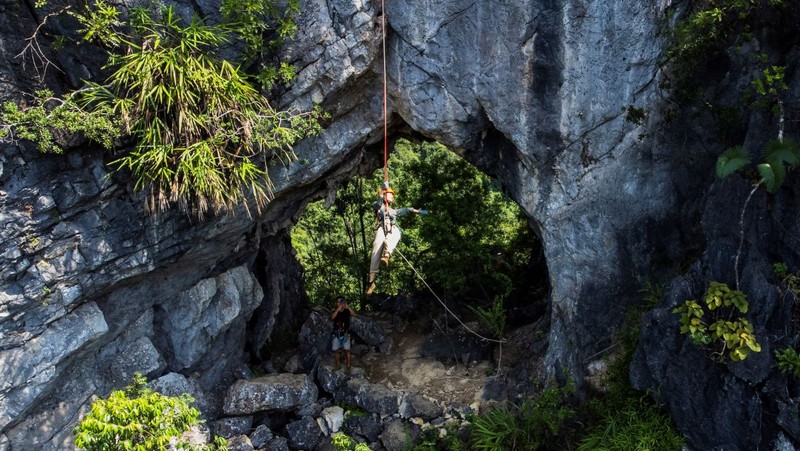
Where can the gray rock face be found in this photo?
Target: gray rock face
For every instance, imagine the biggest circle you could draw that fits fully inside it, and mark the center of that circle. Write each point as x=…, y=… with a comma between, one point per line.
x=532, y=92
x=273, y=392
x=31, y=368
x=205, y=311
x=724, y=406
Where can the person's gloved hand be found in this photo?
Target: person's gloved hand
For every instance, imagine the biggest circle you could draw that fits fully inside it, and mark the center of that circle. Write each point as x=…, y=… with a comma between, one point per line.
x=423, y=212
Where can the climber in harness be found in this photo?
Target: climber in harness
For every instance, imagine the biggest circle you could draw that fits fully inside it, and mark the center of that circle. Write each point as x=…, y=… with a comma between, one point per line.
x=387, y=232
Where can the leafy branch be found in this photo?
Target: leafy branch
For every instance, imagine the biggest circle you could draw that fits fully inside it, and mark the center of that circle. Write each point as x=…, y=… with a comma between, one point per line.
x=203, y=135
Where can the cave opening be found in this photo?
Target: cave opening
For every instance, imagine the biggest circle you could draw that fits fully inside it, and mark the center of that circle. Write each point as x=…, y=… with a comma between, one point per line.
x=474, y=258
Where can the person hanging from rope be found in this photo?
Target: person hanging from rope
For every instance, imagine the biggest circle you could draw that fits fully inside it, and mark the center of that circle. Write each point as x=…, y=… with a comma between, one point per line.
x=387, y=232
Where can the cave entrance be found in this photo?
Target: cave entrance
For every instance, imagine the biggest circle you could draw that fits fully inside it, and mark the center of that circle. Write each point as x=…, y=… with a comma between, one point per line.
x=474, y=250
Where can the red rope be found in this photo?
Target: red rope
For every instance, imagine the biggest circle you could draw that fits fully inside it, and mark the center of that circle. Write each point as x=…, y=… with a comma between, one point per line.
x=385, y=126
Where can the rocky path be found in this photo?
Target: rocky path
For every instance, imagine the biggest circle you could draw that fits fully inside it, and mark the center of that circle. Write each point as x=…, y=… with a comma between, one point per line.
x=404, y=368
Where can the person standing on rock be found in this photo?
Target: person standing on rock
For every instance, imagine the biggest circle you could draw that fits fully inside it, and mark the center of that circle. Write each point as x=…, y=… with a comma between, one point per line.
x=387, y=233
x=341, y=330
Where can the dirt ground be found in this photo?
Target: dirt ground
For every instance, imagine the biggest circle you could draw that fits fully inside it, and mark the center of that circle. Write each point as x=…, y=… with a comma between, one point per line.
x=403, y=368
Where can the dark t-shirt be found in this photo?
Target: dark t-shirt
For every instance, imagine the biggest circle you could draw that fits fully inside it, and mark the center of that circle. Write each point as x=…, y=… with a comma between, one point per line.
x=341, y=323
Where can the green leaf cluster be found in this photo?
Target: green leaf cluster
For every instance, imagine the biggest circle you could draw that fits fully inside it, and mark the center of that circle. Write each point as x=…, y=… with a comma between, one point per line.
x=788, y=361
x=779, y=156
x=494, y=318
x=203, y=136
x=733, y=335
x=637, y=424
x=769, y=87
x=47, y=118
x=709, y=26
x=252, y=21
x=135, y=418
x=527, y=426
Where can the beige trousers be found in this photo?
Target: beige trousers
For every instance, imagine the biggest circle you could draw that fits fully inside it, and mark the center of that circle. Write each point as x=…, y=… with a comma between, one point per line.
x=384, y=242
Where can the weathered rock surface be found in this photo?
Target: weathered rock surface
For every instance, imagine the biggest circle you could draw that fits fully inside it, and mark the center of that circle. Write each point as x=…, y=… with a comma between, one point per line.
x=725, y=405
x=532, y=92
x=281, y=392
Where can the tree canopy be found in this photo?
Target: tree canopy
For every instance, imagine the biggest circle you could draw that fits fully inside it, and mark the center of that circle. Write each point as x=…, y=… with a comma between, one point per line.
x=474, y=242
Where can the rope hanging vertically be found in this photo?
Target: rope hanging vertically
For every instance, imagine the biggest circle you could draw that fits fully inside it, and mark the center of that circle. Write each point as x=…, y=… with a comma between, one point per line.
x=385, y=123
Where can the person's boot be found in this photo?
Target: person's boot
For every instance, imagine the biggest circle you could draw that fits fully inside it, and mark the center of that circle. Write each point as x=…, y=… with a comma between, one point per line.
x=385, y=259
x=370, y=288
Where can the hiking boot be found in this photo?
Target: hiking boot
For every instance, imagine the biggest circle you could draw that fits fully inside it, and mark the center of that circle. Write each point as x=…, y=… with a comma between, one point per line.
x=370, y=288
x=385, y=259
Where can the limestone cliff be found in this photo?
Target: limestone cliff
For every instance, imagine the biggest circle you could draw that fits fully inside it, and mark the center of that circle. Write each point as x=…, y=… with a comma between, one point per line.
x=533, y=92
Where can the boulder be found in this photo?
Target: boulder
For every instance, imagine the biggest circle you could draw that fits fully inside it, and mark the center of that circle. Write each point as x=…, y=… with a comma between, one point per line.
x=416, y=405
x=232, y=426
x=371, y=333
x=240, y=443
x=141, y=356
x=331, y=380
x=273, y=392
x=397, y=434
x=456, y=345
x=334, y=418
x=303, y=434
x=261, y=436
x=314, y=339
x=277, y=443
x=374, y=398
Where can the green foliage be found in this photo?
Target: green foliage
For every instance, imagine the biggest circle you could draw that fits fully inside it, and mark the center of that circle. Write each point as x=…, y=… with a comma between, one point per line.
x=475, y=239
x=494, y=318
x=778, y=155
x=788, y=361
x=135, y=418
x=733, y=159
x=780, y=269
x=252, y=20
x=203, y=135
x=527, y=426
x=431, y=440
x=332, y=243
x=636, y=116
x=790, y=279
x=636, y=424
x=341, y=441
x=620, y=417
x=707, y=28
x=769, y=88
x=42, y=121
x=735, y=335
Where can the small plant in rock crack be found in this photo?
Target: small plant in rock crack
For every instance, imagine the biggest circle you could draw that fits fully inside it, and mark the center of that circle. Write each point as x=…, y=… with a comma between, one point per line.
x=790, y=279
x=343, y=442
x=722, y=332
x=788, y=361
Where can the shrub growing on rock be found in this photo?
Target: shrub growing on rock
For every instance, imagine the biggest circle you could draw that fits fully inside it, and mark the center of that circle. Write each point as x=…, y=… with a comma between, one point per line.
x=135, y=418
